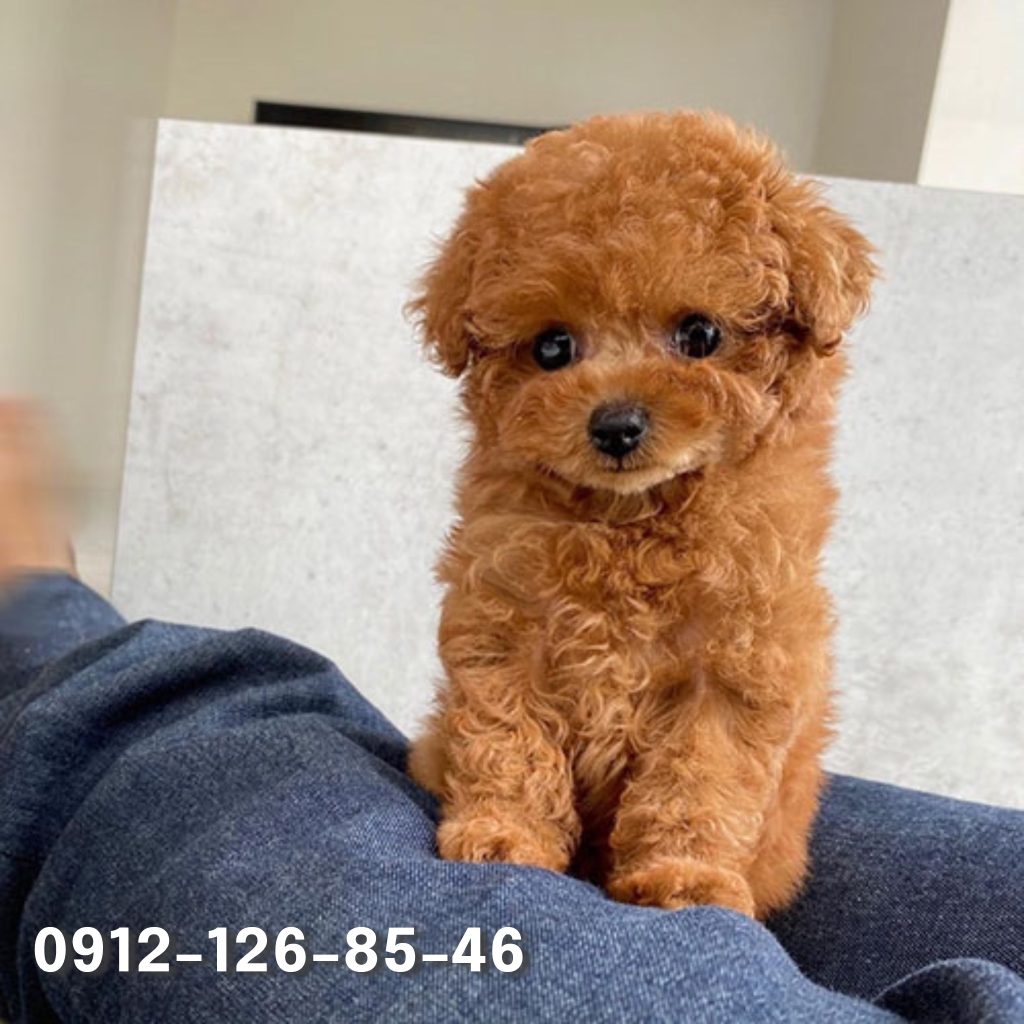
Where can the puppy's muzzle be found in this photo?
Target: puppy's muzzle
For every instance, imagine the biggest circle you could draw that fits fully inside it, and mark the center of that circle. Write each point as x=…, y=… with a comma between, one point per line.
x=616, y=430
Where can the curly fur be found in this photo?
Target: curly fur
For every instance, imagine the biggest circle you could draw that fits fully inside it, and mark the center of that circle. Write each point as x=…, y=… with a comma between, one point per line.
x=637, y=657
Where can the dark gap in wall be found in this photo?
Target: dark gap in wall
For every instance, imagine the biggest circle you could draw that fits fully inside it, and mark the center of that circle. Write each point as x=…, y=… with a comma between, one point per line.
x=336, y=119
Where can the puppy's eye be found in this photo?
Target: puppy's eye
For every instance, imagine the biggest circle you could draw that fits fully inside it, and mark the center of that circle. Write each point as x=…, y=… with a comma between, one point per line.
x=554, y=348
x=696, y=336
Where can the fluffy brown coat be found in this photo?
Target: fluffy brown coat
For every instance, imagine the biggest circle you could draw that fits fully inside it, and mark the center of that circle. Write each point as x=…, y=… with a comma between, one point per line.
x=637, y=651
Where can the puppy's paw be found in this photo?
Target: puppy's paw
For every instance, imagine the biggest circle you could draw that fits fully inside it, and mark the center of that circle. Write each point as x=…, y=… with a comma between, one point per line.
x=677, y=882
x=491, y=838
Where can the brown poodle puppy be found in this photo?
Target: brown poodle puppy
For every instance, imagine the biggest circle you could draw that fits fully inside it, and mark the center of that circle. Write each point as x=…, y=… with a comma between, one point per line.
x=647, y=312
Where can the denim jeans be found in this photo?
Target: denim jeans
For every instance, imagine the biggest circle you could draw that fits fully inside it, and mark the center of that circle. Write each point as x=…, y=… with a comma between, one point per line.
x=189, y=779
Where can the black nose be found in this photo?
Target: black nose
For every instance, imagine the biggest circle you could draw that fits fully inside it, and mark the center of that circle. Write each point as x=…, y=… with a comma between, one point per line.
x=617, y=429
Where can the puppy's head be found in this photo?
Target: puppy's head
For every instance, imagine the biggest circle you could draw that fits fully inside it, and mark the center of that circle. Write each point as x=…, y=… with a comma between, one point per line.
x=638, y=297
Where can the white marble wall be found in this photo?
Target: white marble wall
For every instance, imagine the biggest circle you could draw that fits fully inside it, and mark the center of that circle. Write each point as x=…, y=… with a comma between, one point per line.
x=290, y=453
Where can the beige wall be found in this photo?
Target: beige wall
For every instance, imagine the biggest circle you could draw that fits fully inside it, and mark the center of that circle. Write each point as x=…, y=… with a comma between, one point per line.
x=975, y=134
x=882, y=64
x=528, y=61
x=79, y=82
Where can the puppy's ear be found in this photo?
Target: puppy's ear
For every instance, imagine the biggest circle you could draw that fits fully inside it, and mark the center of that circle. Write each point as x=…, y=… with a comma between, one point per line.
x=830, y=264
x=440, y=309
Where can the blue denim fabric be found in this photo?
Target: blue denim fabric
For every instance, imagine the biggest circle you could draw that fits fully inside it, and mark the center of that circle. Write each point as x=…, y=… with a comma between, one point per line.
x=154, y=774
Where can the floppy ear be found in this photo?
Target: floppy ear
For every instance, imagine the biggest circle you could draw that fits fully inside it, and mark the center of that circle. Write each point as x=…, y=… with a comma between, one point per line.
x=439, y=309
x=830, y=265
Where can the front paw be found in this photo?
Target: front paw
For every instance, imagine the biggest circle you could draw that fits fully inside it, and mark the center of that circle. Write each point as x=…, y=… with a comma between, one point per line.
x=486, y=838
x=677, y=882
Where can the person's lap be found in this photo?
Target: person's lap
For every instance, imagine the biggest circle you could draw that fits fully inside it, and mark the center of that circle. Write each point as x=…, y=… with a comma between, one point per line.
x=190, y=779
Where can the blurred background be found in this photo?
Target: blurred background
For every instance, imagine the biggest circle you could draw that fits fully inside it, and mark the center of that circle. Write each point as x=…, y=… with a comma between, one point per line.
x=921, y=91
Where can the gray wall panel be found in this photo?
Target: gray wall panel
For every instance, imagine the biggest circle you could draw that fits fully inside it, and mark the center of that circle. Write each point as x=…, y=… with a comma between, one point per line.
x=290, y=452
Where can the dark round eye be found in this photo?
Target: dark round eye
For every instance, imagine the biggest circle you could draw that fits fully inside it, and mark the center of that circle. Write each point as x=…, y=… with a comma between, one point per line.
x=697, y=336
x=554, y=348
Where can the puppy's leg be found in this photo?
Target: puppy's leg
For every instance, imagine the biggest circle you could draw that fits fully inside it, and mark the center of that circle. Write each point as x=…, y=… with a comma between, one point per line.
x=505, y=780
x=781, y=863
x=428, y=763
x=507, y=791
x=692, y=814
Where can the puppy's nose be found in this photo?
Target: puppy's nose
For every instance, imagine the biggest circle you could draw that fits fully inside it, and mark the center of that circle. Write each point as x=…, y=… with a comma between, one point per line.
x=617, y=429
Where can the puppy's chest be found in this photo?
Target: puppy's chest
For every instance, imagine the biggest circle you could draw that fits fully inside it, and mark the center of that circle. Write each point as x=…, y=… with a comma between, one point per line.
x=620, y=620
x=624, y=635
x=636, y=578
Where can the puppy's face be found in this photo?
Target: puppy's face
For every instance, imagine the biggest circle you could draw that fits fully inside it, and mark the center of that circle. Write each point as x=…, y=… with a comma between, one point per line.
x=637, y=298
